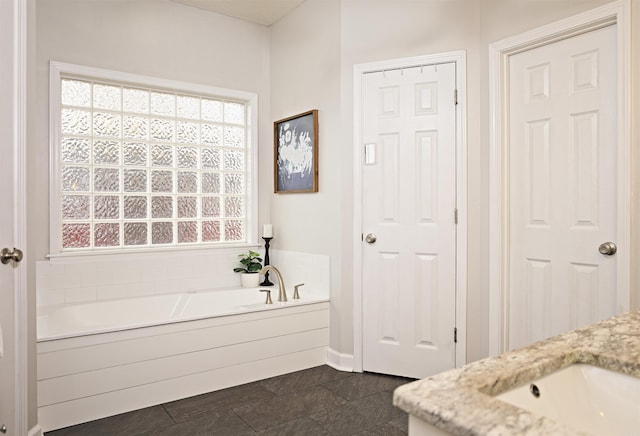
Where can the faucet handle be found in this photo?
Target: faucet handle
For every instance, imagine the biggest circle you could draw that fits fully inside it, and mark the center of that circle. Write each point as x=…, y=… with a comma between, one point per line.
x=296, y=295
x=268, y=291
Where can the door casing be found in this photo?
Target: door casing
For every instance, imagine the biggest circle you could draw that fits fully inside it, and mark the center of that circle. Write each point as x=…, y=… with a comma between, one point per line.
x=499, y=52
x=459, y=58
x=16, y=336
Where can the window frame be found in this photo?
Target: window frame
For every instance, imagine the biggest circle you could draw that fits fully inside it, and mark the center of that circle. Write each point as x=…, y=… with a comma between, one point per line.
x=61, y=70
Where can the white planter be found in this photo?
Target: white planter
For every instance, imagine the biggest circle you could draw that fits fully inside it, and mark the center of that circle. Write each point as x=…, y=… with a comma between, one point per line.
x=250, y=280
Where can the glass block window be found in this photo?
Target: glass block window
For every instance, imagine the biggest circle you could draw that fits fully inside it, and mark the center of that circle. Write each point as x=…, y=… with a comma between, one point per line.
x=140, y=166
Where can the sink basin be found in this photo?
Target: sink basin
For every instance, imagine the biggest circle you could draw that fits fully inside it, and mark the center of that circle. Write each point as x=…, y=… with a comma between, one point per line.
x=585, y=397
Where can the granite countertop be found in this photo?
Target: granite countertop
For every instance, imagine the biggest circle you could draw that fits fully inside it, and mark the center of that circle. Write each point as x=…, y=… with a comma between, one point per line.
x=460, y=401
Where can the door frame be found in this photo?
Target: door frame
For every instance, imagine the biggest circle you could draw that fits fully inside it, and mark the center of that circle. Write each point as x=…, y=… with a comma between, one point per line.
x=17, y=142
x=459, y=58
x=499, y=54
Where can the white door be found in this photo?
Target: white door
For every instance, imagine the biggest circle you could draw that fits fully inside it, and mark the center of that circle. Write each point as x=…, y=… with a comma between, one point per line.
x=10, y=416
x=409, y=201
x=563, y=186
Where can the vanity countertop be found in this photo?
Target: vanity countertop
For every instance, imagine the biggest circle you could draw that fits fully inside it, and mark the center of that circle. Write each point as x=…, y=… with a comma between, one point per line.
x=461, y=401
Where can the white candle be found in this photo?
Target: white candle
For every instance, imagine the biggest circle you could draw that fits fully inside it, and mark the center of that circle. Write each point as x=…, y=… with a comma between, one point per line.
x=267, y=231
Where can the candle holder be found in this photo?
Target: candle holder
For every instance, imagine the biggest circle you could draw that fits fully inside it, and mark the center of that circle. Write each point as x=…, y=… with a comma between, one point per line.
x=266, y=281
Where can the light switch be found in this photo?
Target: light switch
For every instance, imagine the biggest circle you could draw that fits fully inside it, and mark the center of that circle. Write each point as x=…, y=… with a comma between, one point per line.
x=370, y=154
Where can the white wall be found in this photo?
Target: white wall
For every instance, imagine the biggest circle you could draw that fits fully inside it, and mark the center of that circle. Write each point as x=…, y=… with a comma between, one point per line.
x=148, y=37
x=303, y=62
x=305, y=74
x=373, y=30
x=158, y=38
x=380, y=30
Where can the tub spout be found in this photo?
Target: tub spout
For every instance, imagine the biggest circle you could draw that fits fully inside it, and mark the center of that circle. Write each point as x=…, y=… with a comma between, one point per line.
x=282, y=293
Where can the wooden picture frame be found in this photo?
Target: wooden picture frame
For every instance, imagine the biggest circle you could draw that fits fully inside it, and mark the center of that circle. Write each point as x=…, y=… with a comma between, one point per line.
x=295, y=154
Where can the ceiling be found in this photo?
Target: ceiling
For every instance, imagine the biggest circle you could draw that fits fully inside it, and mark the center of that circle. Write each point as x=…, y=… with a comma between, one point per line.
x=265, y=12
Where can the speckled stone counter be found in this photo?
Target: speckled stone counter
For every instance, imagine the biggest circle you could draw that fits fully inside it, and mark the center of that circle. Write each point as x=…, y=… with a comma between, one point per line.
x=460, y=401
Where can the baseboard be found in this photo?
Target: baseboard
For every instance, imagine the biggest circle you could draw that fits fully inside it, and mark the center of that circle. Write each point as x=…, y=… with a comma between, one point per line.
x=340, y=361
x=35, y=431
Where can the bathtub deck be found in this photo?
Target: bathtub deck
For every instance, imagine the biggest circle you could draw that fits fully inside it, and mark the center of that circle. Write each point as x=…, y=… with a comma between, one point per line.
x=330, y=403
x=90, y=377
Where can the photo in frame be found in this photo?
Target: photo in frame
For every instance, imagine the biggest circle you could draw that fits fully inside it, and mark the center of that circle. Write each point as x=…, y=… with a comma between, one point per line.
x=296, y=153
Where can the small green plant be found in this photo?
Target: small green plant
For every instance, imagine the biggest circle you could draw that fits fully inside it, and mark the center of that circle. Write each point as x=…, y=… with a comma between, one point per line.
x=252, y=263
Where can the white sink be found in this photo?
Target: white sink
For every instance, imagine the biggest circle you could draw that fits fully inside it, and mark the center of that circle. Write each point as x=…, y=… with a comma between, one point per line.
x=585, y=397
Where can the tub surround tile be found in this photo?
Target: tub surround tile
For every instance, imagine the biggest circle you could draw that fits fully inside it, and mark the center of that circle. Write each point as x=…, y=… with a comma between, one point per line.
x=161, y=273
x=99, y=278
x=62, y=280
x=184, y=271
x=168, y=285
x=80, y=268
x=153, y=274
x=52, y=297
x=205, y=282
x=311, y=269
x=80, y=295
x=461, y=401
x=135, y=290
x=288, y=407
x=111, y=291
x=129, y=274
x=113, y=264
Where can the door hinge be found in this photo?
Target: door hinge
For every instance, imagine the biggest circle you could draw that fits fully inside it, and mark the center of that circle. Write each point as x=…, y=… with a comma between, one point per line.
x=455, y=215
x=455, y=335
x=455, y=97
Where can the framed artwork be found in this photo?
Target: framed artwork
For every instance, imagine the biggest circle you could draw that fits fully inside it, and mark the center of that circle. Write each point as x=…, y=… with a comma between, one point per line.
x=296, y=153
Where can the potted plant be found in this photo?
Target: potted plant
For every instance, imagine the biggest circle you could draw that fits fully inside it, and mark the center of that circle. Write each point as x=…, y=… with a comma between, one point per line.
x=251, y=266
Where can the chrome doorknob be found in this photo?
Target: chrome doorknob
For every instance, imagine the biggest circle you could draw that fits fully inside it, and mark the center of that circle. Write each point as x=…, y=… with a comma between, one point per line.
x=370, y=238
x=8, y=255
x=608, y=248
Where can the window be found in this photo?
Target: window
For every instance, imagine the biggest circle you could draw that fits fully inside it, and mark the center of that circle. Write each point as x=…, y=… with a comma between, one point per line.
x=145, y=163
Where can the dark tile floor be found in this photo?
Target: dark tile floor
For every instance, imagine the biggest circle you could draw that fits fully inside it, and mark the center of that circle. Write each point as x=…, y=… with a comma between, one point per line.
x=319, y=401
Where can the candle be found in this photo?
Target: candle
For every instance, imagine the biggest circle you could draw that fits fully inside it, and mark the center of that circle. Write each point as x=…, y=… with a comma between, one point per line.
x=267, y=231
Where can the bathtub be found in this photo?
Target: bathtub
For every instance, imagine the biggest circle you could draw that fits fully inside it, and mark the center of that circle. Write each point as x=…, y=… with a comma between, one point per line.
x=103, y=358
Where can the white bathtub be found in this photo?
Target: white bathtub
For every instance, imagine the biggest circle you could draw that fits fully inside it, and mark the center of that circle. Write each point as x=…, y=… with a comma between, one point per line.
x=104, y=358
x=63, y=321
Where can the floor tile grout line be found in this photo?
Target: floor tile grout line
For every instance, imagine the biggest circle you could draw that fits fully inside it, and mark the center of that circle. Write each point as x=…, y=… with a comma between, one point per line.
x=346, y=385
x=306, y=415
x=304, y=387
x=327, y=428
x=243, y=420
x=204, y=411
x=309, y=387
x=168, y=413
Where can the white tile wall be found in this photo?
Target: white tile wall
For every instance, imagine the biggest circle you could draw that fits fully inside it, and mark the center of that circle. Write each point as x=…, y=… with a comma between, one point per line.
x=76, y=281
x=311, y=269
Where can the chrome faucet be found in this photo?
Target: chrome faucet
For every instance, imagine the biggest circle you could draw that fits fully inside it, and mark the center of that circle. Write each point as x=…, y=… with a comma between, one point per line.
x=282, y=292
